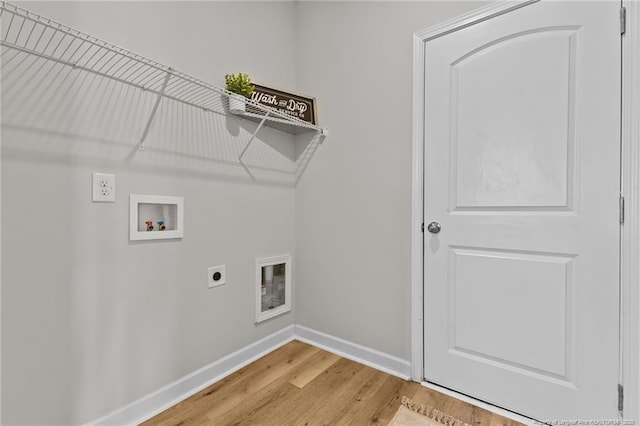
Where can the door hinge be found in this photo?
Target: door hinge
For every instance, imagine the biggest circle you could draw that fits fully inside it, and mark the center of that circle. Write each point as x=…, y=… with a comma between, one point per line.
x=423, y=227
x=621, y=208
x=620, y=398
x=623, y=20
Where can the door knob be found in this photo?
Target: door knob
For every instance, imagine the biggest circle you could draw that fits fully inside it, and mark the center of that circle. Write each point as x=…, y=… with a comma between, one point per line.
x=434, y=227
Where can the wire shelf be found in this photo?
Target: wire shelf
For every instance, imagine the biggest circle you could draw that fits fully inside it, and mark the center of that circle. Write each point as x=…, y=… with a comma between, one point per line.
x=26, y=32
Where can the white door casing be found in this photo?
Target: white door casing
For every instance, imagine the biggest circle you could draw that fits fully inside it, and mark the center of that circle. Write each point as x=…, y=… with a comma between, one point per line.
x=630, y=247
x=521, y=132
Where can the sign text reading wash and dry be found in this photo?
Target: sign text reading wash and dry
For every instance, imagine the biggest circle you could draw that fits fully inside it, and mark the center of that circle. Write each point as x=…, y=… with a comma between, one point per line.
x=296, y=106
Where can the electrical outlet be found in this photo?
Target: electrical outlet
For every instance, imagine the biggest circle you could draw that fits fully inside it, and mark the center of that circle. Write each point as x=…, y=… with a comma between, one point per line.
x=104, y=188
x=217, y=276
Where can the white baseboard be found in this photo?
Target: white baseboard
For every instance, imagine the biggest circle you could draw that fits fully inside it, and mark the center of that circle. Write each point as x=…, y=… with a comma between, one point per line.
x=379, y=360
x=168, y=396
x=158, y=401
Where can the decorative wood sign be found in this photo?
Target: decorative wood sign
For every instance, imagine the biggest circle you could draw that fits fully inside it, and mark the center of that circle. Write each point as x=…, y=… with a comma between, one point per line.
x=291, y=104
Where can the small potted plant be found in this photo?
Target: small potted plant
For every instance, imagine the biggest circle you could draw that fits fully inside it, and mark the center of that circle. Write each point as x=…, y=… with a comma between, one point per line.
x=240, y=85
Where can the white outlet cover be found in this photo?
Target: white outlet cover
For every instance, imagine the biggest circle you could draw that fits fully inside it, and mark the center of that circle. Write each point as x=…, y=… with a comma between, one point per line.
x=104, y=188
x=221, y=280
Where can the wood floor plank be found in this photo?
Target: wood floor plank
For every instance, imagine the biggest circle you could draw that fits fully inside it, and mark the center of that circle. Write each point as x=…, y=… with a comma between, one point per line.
x=339, y=384
x=233, y=389
x=301, y=404
x=229, y=398
x=361, y=406
x=299, y=384
x=271, y=411
x=308, y=374
x=266, y=410
x=385, y=402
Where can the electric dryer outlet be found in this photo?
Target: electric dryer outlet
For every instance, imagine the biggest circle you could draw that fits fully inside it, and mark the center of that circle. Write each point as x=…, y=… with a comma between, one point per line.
x=217, y=276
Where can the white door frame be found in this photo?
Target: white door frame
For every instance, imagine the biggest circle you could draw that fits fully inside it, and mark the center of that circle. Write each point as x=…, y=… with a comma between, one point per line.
x=630, y=169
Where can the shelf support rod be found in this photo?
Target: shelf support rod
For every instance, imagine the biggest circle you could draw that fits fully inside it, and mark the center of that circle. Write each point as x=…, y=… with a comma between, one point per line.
x=154, y=110
x=253, y=136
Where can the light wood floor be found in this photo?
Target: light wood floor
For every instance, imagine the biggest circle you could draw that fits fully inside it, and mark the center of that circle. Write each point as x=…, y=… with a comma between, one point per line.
x=300, y=384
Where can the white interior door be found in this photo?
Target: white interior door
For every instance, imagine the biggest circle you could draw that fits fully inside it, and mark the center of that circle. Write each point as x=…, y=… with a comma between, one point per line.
x=522, y=157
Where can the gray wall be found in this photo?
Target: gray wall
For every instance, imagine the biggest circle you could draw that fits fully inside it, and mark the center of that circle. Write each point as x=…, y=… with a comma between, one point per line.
x=90, y=321
x=353, y=205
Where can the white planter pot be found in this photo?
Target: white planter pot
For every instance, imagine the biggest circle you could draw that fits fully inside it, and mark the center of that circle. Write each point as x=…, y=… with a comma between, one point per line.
x=237, y=103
